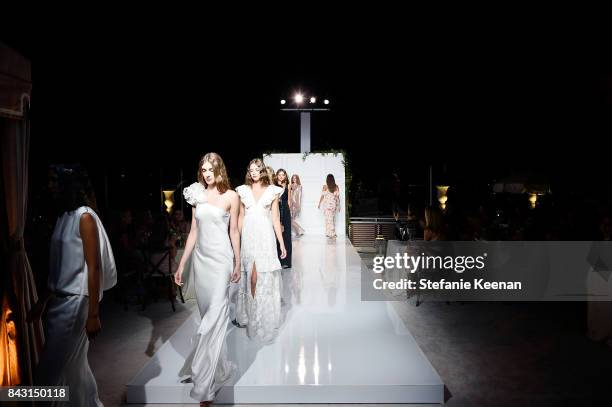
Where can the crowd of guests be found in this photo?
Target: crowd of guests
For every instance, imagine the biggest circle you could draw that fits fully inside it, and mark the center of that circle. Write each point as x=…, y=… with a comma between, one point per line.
x=492, y=222
x=143, y=243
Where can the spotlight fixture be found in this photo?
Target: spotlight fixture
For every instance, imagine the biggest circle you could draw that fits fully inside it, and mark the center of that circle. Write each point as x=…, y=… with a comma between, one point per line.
x=304, y=103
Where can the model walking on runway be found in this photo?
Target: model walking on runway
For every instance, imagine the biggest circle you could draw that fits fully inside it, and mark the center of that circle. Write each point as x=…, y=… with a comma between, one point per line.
x=215, y=262
x=285, y=216
x=259, y=302
x=295, y=204
x=330, y=197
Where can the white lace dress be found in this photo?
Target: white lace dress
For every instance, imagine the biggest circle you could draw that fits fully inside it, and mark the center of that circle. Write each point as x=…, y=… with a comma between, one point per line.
x=262, y=313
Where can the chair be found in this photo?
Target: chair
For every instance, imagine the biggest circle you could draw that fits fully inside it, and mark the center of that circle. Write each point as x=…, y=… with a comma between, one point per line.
x=158, y=268
x=125, y=281
x=130, y=269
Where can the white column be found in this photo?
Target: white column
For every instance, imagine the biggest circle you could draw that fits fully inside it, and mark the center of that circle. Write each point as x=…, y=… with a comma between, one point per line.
x=304, y=132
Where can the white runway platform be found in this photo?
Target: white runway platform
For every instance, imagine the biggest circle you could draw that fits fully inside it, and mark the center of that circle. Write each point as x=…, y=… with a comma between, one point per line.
x=332, y=347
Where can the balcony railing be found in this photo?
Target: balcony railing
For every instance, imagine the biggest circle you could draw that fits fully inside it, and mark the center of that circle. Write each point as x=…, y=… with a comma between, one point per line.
x=363, y=231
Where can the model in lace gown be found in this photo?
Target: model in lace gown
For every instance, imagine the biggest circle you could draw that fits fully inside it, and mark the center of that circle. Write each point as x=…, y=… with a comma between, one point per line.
x=295, y=204
x=330, y=197
x=215, y=262
x=259, y=301
x=285, y=216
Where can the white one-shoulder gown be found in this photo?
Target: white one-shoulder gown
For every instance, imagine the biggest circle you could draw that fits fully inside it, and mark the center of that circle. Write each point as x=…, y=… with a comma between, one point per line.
x=212, y=263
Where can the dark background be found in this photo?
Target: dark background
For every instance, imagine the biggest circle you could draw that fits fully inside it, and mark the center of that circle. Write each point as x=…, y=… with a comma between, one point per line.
x=137, y=108
x=140, y=108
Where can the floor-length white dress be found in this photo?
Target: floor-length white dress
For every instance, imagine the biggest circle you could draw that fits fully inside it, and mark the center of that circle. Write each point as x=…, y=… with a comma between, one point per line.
x=212, y=263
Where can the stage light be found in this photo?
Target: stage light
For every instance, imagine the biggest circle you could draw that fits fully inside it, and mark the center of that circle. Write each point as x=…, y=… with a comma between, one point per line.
x=442, y=198
x=533, y=200
x=168, y=199
x=304, y=102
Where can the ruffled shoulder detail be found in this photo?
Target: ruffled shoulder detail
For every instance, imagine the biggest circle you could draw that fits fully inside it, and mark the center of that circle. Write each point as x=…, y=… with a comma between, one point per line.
x=277, y=190
x=195, y=194
x=272, y=192
x=241, y=191
x=245, y=195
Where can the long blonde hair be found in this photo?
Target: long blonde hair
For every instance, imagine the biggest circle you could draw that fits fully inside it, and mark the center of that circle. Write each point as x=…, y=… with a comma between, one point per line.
x=221, y=178
x=297, y=179
x=265, y=179
x=271, y=175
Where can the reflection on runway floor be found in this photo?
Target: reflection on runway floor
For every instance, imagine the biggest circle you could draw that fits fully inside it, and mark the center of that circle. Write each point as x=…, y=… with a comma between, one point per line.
x=331, y=348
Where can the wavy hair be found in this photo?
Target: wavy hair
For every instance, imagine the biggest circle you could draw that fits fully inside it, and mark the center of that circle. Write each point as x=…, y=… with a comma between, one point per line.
x=221, y=179
x=265, y=179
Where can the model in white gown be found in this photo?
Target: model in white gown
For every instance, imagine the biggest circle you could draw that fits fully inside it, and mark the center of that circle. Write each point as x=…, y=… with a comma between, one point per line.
x=212, y=264
x=64, y=359
x=261, y=313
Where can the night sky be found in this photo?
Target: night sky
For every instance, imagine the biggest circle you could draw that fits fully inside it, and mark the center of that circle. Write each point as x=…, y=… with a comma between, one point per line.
x=146, y=104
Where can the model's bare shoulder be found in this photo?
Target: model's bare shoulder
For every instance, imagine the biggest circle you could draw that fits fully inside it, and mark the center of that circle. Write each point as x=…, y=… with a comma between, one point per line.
x=232, y=195
x=87, y=221
x=88, y=229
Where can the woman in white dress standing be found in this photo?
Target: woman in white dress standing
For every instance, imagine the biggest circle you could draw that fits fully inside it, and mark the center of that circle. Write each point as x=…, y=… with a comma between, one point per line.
x=81, y=267
x=215, y=262
x=259, y=301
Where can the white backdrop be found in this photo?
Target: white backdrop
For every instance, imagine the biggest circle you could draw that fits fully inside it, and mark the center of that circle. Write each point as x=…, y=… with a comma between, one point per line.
x=313, y=171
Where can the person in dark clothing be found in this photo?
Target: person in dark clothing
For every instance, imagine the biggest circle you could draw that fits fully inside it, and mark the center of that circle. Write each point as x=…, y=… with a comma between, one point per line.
x=285, y=216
